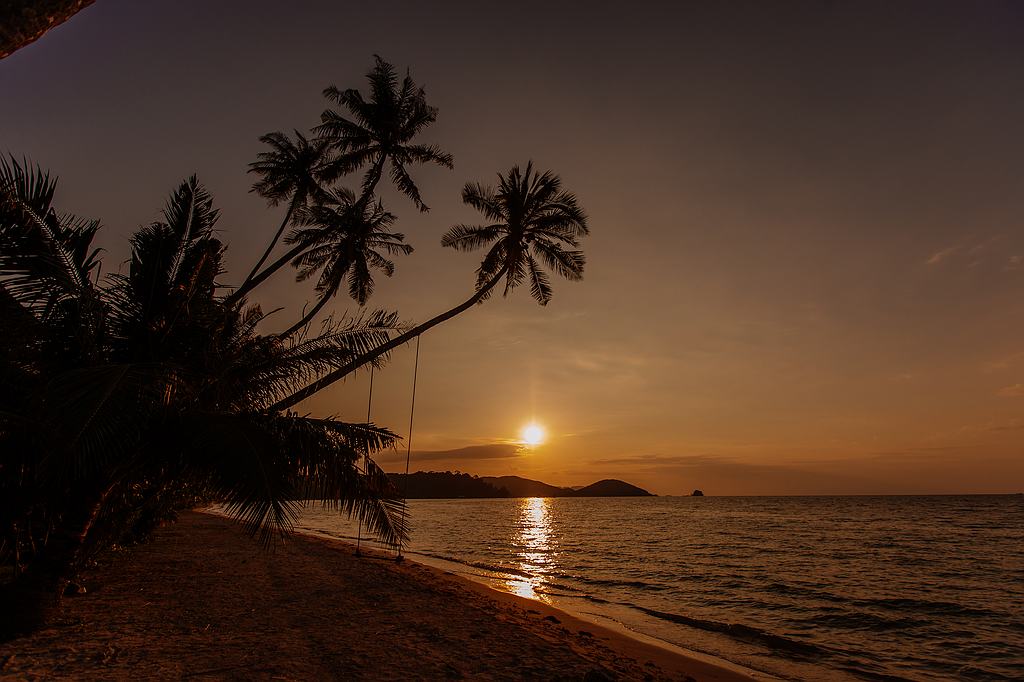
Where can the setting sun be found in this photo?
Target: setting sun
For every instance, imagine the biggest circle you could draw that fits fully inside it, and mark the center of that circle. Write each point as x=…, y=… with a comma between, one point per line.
x=533, y=434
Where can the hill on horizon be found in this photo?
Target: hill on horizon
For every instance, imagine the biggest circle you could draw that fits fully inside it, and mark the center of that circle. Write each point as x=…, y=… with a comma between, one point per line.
x=448, y=484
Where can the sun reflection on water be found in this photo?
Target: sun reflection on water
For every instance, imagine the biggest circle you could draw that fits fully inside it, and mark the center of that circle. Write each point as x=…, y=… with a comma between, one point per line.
x=532, y=547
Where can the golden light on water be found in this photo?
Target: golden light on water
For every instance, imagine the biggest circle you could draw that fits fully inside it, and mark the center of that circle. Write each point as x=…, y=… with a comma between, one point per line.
x=534, y=550
x=533, y=434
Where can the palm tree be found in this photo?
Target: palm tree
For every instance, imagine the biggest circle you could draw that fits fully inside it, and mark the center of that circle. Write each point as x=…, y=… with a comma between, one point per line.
x=531, y=221
x=344, y=246
x=122, y=395
x=290, y=171
x=380, y=130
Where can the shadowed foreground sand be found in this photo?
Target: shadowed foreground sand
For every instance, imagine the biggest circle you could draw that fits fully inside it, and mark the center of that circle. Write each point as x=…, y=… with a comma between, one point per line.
x=204, y=601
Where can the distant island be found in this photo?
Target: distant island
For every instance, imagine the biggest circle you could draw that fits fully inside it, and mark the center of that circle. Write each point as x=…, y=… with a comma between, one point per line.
x=448, y=484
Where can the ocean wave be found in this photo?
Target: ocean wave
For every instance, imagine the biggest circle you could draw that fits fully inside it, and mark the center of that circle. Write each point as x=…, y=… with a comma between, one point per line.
x=741, y=632
x=612, y=582
x=509, y=570
x=924, y=606
x=860, y=620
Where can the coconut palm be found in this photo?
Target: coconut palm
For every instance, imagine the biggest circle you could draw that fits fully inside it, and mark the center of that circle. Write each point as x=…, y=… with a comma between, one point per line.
x=123, y=395
x=289, y=171
x=381, y=130
x=532, y=223
x=345, y=243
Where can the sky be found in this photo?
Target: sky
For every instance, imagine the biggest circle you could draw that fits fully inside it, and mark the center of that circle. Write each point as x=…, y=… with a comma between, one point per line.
x=806, y=264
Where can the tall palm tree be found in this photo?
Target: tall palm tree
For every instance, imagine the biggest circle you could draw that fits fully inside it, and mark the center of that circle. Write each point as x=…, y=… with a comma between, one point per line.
x=381, y=130
x=291, y=171
x=531, y=222
x=344, y=246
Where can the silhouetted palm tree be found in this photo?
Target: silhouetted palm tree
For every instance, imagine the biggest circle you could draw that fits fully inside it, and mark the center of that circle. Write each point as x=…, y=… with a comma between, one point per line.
x=344, y=246
x=121, y=395
x=290, y=171
x=381, y=130
x=531, y=221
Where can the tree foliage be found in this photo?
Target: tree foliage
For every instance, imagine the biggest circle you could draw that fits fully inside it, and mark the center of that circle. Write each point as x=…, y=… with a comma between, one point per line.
x=125, y=394
x=132, y=394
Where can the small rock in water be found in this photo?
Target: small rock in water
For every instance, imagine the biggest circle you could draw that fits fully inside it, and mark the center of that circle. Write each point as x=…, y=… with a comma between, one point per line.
x=552, y=619
x=74, y=589
x=597, y=675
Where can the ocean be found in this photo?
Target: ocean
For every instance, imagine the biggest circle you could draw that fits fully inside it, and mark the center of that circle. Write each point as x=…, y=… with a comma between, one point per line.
x=807, y=588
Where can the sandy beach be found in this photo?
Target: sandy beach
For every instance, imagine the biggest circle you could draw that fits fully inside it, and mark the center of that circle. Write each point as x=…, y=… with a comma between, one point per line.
x=205, y=601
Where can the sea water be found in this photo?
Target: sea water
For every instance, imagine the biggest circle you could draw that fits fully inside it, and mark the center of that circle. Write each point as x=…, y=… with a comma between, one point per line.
x=877, y=588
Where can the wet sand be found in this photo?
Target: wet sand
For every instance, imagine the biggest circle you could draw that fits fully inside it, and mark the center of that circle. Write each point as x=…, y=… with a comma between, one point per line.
x=205, y=601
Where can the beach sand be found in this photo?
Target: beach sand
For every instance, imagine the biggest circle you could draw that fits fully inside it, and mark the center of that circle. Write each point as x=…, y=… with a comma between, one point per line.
x=203, y=600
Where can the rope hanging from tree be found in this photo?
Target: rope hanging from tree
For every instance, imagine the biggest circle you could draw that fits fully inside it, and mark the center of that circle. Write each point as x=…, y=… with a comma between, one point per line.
x=366, y=455
x=408, y=445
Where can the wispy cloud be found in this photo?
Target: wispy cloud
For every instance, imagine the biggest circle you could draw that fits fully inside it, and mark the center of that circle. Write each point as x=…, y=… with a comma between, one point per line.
x=971, y=254
x=1012, y=425
x=1014, y=391
x=470, y=453
x=661, y=460
x=942, y=255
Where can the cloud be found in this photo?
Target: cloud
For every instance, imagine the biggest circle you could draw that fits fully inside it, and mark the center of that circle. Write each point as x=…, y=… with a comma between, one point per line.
x=979, y=254
x=983, y=245
x=1012, y=425
x=470, y=453
x=661, y=460
x=1015, y=391
x=942, y=255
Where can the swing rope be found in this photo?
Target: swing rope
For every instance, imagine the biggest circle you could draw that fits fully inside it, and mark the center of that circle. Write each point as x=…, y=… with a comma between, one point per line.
x=366, y=455
x=408, y=445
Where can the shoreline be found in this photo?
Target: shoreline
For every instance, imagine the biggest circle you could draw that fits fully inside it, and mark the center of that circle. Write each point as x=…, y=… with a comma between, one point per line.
x=615, y=635
x=205, y=601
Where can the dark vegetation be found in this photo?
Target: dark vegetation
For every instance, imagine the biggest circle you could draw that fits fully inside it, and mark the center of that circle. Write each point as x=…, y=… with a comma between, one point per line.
x=612, y=487
x=25, y=21
x=443, y=485
x=450, y=485
x=132, y=392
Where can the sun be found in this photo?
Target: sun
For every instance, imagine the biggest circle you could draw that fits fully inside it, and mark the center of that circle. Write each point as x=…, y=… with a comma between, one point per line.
x=533, y=434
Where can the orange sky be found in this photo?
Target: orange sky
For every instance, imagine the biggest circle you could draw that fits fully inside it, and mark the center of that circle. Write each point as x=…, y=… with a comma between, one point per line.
x=806, y=268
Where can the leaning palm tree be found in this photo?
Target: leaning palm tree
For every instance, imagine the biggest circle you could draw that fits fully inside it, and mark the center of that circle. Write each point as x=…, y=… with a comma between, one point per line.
x=381, y=130
x=531, y=223
x=289, y=171
x=345, y=244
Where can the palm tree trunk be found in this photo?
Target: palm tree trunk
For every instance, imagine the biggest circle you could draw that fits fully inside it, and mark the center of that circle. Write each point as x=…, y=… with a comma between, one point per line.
x=254, y=281
x=267, y=272
x=308, y=317
x=375, y=173
x=32, y=597
x=352, y=366
x=273, y=242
